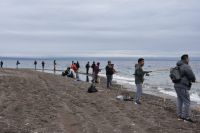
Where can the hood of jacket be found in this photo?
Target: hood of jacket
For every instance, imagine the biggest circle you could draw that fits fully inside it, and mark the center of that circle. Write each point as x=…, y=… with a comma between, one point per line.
x=180, y=63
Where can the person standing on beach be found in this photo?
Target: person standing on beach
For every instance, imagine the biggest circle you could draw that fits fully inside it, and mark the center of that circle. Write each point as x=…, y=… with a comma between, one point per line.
x=182, y=88
x=78, y=65
x=96, y=72
x=139, y=79
x=93, y=67
x=35, y=63
x=109, y=73
x=17, y=64
x=1, y=64
x=77, y=72
x=43, y=65
x=87, y=67
x=75, y=69
x=54, y=66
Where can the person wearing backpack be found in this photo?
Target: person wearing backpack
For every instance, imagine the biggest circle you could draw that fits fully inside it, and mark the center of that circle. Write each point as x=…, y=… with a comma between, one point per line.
x=182, y=88
x=109, y=73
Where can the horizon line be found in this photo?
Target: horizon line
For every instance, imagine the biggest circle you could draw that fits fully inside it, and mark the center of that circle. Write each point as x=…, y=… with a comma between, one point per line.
x=57, y=57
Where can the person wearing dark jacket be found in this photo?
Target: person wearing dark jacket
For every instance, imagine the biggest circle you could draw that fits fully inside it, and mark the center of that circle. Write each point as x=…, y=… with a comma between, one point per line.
x=109, y=73
x=96, y=72
x=35, y=63
x=78, y=65
x=54, y=66
x=43, y=65
x=1, y=64
x=17, y=64
x=77, y=72
x=93, y=66
x=182, y=89
x=87, y=67
x=139, y=79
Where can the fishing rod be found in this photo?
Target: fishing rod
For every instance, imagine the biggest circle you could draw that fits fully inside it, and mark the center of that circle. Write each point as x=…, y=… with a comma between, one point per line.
x=50, y=70
x=161, y=70
x=197, y=82
x=158, y=70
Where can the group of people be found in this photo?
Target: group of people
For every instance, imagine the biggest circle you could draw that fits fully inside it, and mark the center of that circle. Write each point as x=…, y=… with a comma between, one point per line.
x=96, y=69
x=43, y=65
x=17, y=64
x=182, y=86
x=72, y=71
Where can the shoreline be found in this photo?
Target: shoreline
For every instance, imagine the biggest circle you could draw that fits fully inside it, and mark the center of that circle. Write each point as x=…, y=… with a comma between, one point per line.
x=129, y=88
x=194, y=105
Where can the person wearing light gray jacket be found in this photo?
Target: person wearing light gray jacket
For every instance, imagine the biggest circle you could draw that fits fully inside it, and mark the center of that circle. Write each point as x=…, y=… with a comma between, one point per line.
x=182, y=89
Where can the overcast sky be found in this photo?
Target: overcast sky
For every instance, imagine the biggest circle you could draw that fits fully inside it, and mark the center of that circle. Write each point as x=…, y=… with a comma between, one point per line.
x=99, y=27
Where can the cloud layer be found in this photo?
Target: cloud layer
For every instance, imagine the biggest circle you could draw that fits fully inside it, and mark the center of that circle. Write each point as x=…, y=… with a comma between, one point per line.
x=59, y=26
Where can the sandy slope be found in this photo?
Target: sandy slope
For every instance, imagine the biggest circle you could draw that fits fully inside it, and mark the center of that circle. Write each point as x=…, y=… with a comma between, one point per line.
x=34, y=102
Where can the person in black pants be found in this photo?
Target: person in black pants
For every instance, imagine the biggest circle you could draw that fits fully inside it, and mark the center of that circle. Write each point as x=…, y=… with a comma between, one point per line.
x=87, y=67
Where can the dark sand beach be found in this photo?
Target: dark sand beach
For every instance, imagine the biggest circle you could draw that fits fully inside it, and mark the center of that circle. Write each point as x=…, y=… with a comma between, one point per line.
x=36, y=102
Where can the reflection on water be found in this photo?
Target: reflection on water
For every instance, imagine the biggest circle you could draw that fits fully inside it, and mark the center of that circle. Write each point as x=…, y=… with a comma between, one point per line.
x=87, y=79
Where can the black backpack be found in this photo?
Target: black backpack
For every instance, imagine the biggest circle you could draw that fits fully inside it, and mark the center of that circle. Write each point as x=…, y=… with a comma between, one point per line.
x=109, y=71
x=92, y=89
x=175, y=74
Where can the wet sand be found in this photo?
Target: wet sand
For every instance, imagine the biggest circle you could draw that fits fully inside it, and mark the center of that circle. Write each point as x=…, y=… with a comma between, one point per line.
x=36, y=102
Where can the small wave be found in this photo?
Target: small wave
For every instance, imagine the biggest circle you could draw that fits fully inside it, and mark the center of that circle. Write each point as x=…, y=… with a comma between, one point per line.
x=124, y=80
x=194, y=96
x=121, y=79
x=118, y=77
x=171, y=93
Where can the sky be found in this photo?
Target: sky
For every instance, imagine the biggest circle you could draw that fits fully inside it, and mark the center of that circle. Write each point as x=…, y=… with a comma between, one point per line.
x=99, y=28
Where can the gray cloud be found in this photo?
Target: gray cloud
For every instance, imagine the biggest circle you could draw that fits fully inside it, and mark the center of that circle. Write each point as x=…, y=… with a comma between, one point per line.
x=29, y=26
